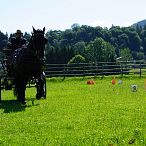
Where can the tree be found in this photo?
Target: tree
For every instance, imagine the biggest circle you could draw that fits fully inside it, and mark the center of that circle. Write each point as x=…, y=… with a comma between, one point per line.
x=138, y=28
x=123, y=41
x=82, y=40
x=134, y=40
x=75, y=26
x=79, y=48
x=143, y=37
x=27, y=36
x=100, y=50
x=3, y=41
x=115, y=31
x=125, y=54
x=77, y=59
x=108, y=52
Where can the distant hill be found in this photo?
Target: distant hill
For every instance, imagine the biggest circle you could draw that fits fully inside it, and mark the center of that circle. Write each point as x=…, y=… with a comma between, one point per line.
x=140, y=23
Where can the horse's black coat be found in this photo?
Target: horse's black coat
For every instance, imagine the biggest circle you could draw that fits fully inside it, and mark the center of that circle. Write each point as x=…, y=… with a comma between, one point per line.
x=28, y=63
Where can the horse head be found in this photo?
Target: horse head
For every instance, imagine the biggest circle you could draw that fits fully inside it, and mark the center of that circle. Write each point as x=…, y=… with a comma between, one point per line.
x=38, y=42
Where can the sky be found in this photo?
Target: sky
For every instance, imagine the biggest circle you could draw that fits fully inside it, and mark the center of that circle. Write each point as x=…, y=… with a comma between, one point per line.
x=61, y=14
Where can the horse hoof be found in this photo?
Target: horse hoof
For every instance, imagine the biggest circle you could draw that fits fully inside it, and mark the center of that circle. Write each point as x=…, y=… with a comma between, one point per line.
x=23, y=103
x=38, y=97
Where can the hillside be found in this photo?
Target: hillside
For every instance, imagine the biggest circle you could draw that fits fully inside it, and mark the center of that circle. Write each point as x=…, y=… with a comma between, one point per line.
x=141, y=23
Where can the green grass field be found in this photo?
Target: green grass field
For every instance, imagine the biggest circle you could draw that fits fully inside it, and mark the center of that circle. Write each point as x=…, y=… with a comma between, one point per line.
x=76, y=114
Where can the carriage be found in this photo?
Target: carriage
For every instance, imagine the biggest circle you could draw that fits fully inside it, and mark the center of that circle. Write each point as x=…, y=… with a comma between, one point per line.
x=27, y=68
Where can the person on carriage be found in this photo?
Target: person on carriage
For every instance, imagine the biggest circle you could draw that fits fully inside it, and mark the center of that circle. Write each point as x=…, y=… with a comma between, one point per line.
x=15, y=43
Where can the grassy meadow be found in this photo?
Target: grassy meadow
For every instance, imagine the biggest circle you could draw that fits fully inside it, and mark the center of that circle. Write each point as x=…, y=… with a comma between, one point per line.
x=77, y=114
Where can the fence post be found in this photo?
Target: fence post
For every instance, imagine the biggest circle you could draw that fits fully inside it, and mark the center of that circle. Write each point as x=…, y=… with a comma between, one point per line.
x=0, y=88
x=121, y=69
x=140, y=70
x=64, y=72
x=83, y=71
x=102, y=69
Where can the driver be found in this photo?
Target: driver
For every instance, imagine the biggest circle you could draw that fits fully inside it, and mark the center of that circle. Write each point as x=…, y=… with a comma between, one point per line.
x=17, y=42
x=14, y=44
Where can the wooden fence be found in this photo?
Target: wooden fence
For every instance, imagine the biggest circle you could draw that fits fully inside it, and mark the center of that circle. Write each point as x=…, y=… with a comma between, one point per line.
x=96, y=69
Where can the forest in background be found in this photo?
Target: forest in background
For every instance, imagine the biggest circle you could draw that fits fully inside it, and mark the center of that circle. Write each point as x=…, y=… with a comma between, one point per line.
x=85, y=43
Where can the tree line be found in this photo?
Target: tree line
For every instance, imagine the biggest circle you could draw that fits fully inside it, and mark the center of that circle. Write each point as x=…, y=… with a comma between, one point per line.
x=91, y=44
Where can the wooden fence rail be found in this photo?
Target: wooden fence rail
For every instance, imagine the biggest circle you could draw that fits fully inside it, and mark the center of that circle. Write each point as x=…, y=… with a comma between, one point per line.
x=95, y=69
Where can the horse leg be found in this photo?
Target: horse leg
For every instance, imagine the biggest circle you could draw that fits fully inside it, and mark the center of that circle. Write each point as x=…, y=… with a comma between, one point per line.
x=21, y=94
x=40, y=87
x=20, y=88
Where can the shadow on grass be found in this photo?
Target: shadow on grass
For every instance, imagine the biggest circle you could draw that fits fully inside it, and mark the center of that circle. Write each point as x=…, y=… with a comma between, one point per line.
x=11, y=106
x=14, y=106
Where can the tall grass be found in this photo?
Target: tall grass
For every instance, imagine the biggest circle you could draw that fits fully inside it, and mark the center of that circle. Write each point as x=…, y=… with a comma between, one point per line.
x=75, y=113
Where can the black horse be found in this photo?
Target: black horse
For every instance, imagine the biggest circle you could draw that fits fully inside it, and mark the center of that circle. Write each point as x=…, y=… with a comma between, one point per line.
x=28, y=62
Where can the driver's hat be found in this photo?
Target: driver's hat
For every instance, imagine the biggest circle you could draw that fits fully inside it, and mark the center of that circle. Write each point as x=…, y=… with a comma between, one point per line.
x=18, y=32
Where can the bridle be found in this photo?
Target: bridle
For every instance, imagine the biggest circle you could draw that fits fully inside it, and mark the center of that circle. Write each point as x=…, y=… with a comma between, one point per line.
x=38, y=42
